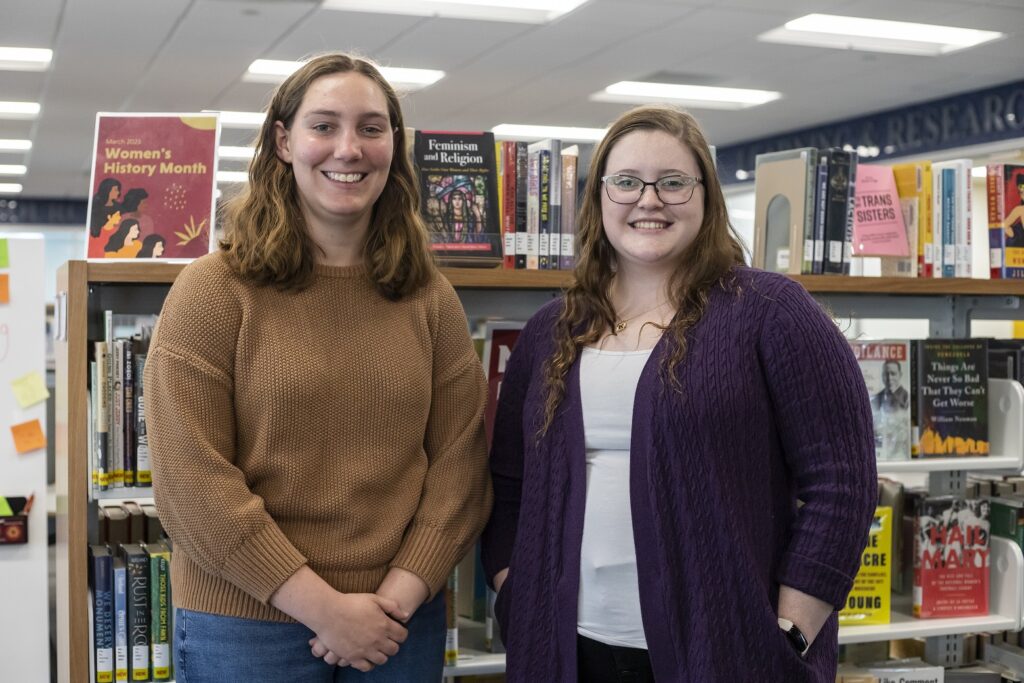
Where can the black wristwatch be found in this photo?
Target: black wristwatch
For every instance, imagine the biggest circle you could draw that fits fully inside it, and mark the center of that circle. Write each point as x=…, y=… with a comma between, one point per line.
x=795, y=636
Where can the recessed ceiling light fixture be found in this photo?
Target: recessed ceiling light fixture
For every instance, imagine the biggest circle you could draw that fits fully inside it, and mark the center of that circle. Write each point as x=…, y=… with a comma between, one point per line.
x=696, y=96
x=405, y=80
x=19, y=110
x=516, y=11
x=25, y=59
x=10, y=188
x=241, y=119
x=877, y=35
x=228, y=152
x=232, y=177
x=15, y=145
x=13, y=169
x=515, y=131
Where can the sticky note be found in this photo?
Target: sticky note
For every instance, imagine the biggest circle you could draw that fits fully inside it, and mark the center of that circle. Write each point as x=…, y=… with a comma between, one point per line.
x=30, y=389
x=4, y=260
x=28, y=436
x=5, y=288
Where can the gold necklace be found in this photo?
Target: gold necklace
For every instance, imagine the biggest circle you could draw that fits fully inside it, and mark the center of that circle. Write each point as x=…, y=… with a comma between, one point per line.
x=620, y=325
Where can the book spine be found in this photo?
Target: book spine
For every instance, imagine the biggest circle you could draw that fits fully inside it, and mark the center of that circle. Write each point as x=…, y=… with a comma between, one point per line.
x=120, y=621
x=810, y=212
x=962, y=219
x=129, y=412
x=949, y=213
x=508, y=202
x=451, y=644
x=160, y=614
x=566, y=258
x=821, y=207
x=143, y=473
x=544, y=229
x=835, y=220
x=533, y=212
x=996, y=235
x=926, y=238
x=522, y=192
x=98, y=372
x=103, y=614
x=555, y=208
x=137, y=564
x=850, y=214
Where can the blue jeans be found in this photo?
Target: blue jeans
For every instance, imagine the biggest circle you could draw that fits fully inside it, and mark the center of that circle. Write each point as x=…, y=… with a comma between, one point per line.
x=211, y=647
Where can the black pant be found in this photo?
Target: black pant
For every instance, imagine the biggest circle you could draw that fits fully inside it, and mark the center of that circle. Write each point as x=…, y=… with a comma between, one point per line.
x=600, y=663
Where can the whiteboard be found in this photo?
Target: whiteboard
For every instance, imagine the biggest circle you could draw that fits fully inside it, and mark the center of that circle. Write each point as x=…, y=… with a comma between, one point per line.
x=24, y=641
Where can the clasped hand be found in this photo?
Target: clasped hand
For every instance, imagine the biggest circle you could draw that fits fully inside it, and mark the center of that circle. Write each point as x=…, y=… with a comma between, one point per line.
x=363, y=631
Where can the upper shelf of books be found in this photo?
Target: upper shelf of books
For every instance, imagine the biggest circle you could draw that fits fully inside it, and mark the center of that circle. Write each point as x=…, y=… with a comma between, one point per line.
x=505, y=278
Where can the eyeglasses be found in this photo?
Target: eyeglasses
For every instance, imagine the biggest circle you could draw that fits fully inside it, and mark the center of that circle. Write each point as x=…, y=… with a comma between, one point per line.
x=671, y=189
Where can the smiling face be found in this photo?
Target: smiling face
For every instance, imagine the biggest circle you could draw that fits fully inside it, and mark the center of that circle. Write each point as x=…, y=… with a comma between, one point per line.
x=650, y=233
x=340, y=145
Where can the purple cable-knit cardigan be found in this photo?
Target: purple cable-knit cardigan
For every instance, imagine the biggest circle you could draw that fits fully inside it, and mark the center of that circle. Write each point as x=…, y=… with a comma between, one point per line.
x=773, y=409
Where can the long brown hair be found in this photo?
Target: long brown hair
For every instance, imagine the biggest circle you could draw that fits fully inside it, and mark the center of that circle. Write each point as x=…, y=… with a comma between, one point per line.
x=267, y=239
x=588, y=312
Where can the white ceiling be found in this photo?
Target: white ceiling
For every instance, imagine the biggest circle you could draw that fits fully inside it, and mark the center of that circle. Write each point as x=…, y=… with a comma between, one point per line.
x=187, y=55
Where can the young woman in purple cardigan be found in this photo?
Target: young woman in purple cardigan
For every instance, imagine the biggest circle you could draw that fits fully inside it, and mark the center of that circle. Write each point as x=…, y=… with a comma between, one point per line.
x=657, y=427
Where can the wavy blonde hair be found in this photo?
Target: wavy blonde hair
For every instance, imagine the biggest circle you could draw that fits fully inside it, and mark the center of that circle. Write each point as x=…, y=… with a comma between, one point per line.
x=267, y=240
x=588, y=312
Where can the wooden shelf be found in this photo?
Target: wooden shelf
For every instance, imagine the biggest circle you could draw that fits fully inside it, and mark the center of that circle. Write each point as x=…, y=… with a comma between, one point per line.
x=907, y=286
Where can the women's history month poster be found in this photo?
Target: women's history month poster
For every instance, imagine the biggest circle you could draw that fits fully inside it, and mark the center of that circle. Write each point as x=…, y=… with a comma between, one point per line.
x=152, y=193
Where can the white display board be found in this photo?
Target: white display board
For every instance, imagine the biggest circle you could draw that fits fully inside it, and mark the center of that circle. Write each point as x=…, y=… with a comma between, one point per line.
x=24, y=645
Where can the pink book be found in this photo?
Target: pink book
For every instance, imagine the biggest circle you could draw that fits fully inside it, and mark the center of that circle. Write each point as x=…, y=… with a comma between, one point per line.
x=878, y=228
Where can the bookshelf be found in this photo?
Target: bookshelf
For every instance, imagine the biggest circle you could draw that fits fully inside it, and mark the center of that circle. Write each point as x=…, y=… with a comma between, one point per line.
x=86, y=288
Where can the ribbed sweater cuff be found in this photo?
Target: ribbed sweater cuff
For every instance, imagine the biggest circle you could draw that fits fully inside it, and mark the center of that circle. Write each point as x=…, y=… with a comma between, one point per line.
x=262, y=563
x=428, y=554
x=814, y=578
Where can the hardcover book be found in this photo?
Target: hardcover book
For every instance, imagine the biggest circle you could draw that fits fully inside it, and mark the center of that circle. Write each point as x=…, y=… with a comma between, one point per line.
x=120, y=621
x=914, y=184
x=870, y=599
x=842, y=179
x=137, y=567
x=459, y=196
x=101, y=578
x=1005, y=190
x=952, y=397
x=499, y=340
x=951, y=557
x=878, y=228
x=886, y=369
x=152, y=187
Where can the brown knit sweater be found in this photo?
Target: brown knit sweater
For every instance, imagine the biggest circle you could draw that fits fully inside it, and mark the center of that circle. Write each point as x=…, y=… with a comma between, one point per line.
x=329, y=427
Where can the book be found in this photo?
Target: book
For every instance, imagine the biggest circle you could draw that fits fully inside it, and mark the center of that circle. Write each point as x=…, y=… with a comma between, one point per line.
x=508, y=203
x=886, y=369
x=906, y=671
x=870, y=599
x=152, y=187
x=128, y=420
x=570, y=162
x=101, y=416
x=160, y=610
x=914, y=185
x=1006, y=516
x=1004, y=184
x=820, y=208
x=784, y=193
x=120, y=620
x=951, y=558
x=499, y=339
x=102, y=582
x=952, y=397
x=1006, y=358
x=878, y=227
x=459, y=196
x=838, y=209
x=522, y=192
x=143, y=470
x=451, y=642
x=137, y=568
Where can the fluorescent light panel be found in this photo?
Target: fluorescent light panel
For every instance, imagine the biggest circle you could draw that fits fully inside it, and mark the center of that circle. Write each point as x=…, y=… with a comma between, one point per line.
x=227, y=152
x=232, y=177
x=515, y=11
x=25, y=59
x=406, y=80
x=15, y=145
x=19, y=110
x=13, y=169
x=515, y=131
x=877, y=35
x=10, y=188
x=696, y=96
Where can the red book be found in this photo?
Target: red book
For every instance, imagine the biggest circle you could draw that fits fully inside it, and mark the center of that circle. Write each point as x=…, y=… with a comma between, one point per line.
x=951, y=558
x=499, y=340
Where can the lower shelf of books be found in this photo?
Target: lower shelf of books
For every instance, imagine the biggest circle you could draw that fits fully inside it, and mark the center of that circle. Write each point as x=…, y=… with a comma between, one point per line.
x=1006, y=606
